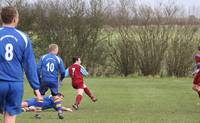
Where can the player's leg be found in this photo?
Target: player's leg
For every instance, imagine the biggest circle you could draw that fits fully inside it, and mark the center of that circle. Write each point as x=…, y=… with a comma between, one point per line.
x=4, y=87
x=13, y=102
x=196, y=88
x=88, y=92
x=79, y=96
x=8, y=118
x=196, y=83
x=43, y=89
x=39, y=103
x=57, y=101
x=66, y=109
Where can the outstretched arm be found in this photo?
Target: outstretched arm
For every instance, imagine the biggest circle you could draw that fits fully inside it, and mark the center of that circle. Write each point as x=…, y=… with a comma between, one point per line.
x=67, y=72
x=84, y=71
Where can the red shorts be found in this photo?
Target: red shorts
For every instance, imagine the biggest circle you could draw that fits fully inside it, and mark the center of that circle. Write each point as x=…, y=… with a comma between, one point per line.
x=78, y=85
x=196, y=80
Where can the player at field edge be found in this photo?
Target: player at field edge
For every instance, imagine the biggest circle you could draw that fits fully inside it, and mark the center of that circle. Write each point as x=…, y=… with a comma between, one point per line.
x=49, y=67
x=16, y=56
x=76, y=71
x=196, y=73
x=29, y=105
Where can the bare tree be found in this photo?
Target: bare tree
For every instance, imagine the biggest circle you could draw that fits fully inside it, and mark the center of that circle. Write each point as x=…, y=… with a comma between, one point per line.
x=179, y=54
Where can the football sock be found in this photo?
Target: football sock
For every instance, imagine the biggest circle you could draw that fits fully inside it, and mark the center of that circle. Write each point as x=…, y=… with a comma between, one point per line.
x=39, y=104
x=78, y=99
x=87, y=91
x=57, y=102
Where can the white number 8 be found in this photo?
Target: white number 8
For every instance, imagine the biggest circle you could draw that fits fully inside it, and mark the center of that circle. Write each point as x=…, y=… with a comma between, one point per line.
x=9, y=52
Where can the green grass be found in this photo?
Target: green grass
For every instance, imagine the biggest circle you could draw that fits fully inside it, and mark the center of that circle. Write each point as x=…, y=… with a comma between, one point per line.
x=128, y=100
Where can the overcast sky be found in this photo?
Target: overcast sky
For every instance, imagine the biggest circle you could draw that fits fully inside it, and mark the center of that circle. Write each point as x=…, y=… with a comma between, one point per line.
x=191, y=6
x=185, y=3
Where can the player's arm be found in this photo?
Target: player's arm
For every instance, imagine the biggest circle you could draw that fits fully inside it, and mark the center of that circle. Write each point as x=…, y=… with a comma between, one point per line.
x=30, y=68
x=67, y=72
x=39, y=67
x=84, y=71
x=62, y=70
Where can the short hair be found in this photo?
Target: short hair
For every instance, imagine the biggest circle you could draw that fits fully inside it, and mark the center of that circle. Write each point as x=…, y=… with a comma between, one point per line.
x=75, y=58
x=198, y=48
x=8, y=14
x=52, y=47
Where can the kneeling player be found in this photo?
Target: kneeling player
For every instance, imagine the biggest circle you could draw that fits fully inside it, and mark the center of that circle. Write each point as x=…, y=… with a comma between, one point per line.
x=29, y=105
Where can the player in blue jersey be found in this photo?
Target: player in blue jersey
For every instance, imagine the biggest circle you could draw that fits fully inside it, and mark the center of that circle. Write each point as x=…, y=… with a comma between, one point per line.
x=49, y=67
x=29, y=105
x=16, y=56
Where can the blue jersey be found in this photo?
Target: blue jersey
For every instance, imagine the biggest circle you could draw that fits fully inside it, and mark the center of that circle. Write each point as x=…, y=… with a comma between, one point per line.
x=16, y=54
x=49, y=66
x=47, y=103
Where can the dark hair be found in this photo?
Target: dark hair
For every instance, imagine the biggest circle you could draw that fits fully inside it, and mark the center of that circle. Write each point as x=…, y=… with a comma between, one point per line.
x=8, y=14
x=75, y=58
x=60, y=94
x=198, y=48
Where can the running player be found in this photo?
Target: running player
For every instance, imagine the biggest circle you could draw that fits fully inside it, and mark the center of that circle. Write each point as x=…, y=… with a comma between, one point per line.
x=76, y=72
x=49, y=66
x=196, y=73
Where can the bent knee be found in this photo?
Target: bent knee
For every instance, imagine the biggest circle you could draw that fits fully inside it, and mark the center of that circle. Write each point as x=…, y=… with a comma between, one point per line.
x=80, y=91
x=196, y=87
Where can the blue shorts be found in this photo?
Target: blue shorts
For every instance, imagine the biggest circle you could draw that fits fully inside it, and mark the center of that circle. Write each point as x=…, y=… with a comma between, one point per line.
x=11, y=94
x=53, y=86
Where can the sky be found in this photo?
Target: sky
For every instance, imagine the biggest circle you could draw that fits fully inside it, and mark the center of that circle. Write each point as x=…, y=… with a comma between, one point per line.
x=185, y=3
x=191, y=7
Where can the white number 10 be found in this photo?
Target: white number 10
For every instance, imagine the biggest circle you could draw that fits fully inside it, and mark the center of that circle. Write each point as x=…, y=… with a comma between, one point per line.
x=50, y=67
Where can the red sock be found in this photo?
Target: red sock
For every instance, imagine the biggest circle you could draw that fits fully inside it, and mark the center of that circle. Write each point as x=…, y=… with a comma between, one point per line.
x=87, y=91
x=78, y=99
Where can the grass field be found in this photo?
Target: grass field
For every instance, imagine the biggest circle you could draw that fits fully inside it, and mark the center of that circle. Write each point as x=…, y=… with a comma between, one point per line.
x=127, y=100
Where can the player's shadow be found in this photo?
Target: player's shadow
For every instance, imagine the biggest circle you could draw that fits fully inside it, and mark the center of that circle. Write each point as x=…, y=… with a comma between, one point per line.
x=43, y=115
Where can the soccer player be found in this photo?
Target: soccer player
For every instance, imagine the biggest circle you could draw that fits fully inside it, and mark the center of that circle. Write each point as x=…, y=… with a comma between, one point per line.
x=196, y=81
x=76, y=72
x=16, y=56
x=30, y=104
x=49, y=66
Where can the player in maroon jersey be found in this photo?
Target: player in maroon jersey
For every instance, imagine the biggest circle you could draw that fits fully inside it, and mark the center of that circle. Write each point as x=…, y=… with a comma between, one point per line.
x=196, y=74
x=76, y=72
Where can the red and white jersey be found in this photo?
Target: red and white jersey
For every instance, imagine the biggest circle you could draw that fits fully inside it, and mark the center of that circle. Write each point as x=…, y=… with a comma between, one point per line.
x=75, y=73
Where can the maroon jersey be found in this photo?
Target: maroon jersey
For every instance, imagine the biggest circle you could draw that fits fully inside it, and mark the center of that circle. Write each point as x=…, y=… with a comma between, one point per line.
x=76, y=76
x=196, y=80
x=197, y=59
